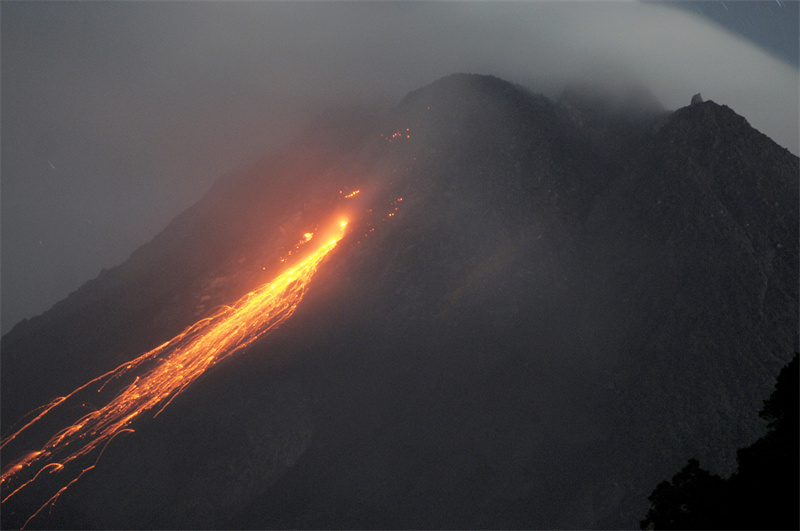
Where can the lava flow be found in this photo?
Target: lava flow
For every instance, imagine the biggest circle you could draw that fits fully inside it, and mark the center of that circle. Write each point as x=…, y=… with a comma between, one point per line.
x=176, y=364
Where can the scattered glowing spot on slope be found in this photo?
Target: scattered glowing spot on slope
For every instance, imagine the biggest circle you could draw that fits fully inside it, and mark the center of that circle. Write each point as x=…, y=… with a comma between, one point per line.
x=398, y=134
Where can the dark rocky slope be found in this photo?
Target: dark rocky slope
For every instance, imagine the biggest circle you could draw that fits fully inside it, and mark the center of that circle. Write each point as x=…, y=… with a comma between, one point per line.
x=570, y=301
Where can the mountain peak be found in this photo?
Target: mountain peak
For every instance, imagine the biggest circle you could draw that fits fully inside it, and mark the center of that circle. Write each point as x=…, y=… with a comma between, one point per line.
x=467, y=89
x=714, y=125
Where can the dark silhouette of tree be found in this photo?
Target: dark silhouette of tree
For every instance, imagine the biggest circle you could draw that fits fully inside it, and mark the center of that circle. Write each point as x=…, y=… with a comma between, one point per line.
x=692, y=500
x=765, y=486
x=763, y=493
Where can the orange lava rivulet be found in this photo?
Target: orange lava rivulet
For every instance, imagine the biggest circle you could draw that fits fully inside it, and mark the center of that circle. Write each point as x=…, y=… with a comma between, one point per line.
x=175, y=365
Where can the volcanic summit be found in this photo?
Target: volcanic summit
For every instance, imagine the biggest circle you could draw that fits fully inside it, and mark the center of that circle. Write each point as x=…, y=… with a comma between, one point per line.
x=539, y=309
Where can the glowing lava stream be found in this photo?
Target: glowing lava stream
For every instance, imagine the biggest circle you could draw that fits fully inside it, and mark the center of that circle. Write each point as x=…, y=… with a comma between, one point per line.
x=180, y=361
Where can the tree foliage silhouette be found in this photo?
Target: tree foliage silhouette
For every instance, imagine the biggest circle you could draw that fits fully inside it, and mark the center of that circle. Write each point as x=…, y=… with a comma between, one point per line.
x=763, y=493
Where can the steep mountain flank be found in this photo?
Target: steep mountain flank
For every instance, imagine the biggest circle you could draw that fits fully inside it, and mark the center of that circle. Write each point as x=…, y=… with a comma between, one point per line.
x=542, y=310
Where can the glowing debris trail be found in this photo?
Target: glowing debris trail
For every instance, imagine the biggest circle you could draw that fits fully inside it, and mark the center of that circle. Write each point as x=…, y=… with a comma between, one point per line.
x=179, y=362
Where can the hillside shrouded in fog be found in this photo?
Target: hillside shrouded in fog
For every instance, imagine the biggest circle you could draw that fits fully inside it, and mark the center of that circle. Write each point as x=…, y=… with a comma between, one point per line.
x=539, y=309
x=119, y=115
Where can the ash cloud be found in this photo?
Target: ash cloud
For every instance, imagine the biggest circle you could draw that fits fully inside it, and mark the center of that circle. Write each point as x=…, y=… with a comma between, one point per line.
x=117, y=116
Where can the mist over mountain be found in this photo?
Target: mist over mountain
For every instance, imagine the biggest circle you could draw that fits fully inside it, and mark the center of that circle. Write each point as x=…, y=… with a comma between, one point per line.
x=542, y=309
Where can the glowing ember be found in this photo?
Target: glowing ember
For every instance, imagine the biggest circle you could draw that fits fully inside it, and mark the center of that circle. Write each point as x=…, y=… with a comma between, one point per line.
x=398, y=134
x=176, y=364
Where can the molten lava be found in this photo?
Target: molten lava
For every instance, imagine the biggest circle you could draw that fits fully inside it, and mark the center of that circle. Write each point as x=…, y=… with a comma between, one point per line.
x=165, y=372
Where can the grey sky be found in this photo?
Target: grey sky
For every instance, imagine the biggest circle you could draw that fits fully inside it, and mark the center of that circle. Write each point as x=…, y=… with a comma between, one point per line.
x=116, y=116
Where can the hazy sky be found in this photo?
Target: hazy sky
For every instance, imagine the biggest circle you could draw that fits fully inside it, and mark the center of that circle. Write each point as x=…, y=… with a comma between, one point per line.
x=116, y=116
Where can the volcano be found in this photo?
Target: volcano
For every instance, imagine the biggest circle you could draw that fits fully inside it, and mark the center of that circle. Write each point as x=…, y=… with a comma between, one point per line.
x=539, y=309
